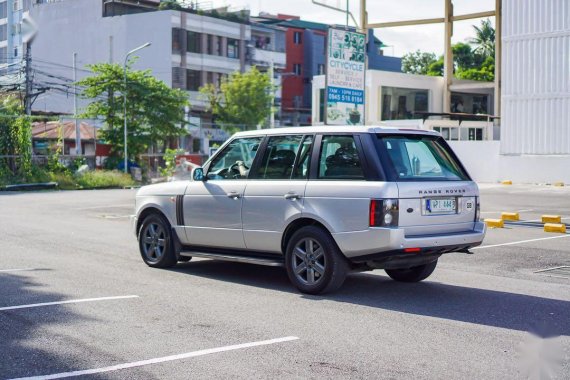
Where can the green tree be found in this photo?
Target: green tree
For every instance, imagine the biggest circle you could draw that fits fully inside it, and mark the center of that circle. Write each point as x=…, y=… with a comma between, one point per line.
x=484, y=73
x=155, y=112
x=15, y=139
x=484, y=40
x=436, y=68
x=244, y=99
x=418, y=62
x=170, y=4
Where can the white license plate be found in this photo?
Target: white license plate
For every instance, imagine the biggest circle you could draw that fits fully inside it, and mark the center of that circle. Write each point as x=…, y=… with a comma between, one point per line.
x=441, y=206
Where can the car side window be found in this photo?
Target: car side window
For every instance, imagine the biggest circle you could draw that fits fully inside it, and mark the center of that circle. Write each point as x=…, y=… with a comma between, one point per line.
x=339, y=158
x=279, y=157
x=301, y=170
x=235, y=159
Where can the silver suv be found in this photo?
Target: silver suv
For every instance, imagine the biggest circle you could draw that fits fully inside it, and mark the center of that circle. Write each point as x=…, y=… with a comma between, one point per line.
x=320, y=201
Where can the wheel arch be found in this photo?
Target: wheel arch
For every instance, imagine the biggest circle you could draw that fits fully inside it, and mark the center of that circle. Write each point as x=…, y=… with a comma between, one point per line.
x=149, y=210
x=297, y=224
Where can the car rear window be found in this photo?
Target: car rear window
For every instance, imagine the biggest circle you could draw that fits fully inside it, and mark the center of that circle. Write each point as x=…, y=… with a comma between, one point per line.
x=418, y=158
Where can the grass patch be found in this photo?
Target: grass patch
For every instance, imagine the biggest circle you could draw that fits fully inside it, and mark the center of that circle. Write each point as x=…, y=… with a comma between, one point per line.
x=104, y=179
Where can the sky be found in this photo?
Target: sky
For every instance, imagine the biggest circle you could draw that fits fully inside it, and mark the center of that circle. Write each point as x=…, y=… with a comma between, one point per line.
x=401, y=40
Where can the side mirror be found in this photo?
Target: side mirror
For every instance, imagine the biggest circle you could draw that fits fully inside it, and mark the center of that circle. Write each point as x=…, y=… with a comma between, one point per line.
x=198, y=174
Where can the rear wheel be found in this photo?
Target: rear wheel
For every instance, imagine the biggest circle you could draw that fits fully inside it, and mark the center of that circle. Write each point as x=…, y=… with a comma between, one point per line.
x=314, y=263
x=413, y=274
x=155, y=242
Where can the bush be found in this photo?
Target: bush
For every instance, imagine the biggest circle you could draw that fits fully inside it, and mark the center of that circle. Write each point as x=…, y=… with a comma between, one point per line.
x=102, y=179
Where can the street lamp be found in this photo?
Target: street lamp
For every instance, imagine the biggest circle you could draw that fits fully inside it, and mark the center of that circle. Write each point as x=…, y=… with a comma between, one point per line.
x=125, y=97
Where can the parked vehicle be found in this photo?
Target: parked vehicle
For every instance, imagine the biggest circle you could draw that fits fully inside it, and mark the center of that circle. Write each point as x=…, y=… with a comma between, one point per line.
x=320, y=201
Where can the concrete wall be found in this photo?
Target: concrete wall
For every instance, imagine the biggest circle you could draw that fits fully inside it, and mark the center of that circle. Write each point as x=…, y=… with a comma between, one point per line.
x=483, y=161
x=78, y=26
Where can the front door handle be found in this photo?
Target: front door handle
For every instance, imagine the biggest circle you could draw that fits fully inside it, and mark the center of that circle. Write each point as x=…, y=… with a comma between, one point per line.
x=234, y=195
x=292, y=196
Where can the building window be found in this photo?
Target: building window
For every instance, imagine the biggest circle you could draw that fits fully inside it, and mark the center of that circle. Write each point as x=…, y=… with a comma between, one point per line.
x=193, y=40
x=3, y=33
x=178, y=77
x=469, y=103
x=297, y=69
x=209, y=49
x=3, y=10
x=17, y=5
x=15, y=52
x=233, y=48
x=320, y=69
x=297, y=38
x=176, y=45
x=403, y=103
x=193, y=80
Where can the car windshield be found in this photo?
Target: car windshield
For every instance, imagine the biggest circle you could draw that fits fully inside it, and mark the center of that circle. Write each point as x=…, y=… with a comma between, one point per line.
x=418, y=158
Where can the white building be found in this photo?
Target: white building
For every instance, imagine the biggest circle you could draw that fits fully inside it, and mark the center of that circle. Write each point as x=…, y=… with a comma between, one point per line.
x=400, y=99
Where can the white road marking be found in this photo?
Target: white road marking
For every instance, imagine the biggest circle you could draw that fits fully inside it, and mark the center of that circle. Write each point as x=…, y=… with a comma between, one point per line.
x=65, y=302
x=540, y=220
x=17, y=270
x=163, y=359
x=520, y=242
x=131, y=205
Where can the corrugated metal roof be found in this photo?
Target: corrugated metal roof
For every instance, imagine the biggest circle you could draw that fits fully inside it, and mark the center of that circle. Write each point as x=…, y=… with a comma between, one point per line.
x=52, y=130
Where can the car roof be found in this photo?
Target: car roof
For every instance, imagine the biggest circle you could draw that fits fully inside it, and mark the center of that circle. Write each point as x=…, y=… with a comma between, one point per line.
x=336, y=129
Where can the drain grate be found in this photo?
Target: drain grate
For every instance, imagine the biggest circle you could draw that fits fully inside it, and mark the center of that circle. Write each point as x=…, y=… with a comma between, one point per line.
x=562, y=272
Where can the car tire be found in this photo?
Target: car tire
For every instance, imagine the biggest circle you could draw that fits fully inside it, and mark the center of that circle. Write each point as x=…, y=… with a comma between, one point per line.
x=155, y=242
x=314, y=263
x=414, y=274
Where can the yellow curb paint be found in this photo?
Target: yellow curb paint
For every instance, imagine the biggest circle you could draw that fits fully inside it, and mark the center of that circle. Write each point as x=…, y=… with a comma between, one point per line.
x=507, y=182
x=495, y=223
x=551, y=219
x=555, y=227
x=510, y=216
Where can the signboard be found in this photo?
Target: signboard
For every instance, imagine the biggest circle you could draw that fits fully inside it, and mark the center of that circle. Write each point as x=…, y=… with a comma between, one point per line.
x=346, y=58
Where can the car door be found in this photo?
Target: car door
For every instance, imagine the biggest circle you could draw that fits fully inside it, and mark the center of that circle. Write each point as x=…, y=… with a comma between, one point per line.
x=274, y=194
x=212, y=208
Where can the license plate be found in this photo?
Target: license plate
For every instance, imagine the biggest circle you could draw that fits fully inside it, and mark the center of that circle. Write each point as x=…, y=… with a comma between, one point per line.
x=441, y=206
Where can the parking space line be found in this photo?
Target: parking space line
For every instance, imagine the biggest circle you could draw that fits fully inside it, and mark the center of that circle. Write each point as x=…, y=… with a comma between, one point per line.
x=163, y=359
x=66, y=302
x=16, y=270
x=520, y=242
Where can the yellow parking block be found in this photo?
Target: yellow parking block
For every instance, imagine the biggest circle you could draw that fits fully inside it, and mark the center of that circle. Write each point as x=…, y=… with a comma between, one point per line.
x=551, y=219
x=559, y=184
x=495, y=223
x=510, y=216
x=555, y=227
x=507, y=182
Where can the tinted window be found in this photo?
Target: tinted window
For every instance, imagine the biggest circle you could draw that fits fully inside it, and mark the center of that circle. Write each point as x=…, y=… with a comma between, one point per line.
x=339, y=159
x=302, y=168
x=419, y=158
x=235, y=160
x=279, y=157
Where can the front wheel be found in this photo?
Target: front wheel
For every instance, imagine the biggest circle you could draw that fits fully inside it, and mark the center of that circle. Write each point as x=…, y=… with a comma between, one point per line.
x=413, y=274
x=314, y=263
x=155, y=242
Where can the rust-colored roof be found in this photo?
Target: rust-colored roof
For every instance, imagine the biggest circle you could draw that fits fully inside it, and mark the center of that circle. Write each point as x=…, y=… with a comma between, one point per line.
x=52, y=130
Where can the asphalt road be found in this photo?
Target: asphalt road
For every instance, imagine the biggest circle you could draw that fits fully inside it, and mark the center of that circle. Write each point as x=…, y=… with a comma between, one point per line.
x=485, y=316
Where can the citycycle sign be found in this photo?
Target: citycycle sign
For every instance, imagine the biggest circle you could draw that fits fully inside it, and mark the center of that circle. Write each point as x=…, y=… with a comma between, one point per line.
x=345, y=77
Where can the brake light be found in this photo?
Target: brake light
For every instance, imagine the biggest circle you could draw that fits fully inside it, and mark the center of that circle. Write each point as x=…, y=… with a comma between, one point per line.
x=384, y=213
x=412, y=250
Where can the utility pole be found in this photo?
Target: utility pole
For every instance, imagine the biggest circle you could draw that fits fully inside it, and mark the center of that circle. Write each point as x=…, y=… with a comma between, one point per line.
x=77, y=129
x=448, y=54
x=28, y=83
x=272, y=91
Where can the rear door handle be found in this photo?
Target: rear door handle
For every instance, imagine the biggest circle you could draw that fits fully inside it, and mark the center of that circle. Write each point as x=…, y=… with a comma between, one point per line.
x=233, y=195
x=292, y=196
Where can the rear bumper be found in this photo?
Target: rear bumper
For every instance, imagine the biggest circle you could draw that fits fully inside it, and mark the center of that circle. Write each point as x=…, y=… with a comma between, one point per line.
x=361, y=246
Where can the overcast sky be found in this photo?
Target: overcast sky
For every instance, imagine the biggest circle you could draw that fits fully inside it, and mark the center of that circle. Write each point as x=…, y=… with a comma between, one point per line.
x=403, y=39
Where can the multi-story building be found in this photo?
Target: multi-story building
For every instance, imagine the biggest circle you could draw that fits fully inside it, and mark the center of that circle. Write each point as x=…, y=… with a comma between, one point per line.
x=188, y=49
x=306, y=57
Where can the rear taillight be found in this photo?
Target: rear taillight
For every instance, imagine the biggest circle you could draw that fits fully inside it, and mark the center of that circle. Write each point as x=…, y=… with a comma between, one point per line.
x=477, y=209
x=384, y=213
